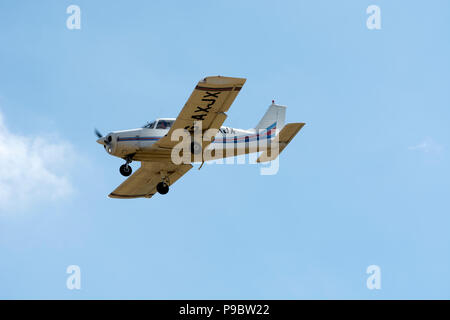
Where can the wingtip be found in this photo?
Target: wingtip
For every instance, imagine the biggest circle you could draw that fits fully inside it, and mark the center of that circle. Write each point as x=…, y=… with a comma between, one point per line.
x=299, y=125
x=222, y=80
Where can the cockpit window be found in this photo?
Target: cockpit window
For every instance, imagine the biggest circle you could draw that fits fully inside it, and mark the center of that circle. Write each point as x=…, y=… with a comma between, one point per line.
x=164, y=124
x=150, y=125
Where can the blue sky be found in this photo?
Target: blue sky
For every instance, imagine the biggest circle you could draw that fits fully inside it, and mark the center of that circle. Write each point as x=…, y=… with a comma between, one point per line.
x=365, y=182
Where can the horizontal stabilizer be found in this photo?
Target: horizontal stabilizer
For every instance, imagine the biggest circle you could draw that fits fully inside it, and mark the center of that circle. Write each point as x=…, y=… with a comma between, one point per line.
x=284, y=137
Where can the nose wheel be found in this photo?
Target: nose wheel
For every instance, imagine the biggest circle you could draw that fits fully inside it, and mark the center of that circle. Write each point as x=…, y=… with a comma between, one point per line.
x=125, y=170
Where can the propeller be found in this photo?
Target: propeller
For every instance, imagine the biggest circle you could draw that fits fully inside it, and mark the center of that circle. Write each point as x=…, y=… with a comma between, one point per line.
x=104, y=142
x=98, y=134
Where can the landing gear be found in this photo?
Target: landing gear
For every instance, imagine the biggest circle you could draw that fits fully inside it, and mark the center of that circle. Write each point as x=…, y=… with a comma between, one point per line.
x=125, y=170
x=196, y=148
x=162, y=188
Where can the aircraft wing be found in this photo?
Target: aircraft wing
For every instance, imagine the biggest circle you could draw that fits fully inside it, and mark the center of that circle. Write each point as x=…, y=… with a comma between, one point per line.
x=209, y=101
x=142, y=184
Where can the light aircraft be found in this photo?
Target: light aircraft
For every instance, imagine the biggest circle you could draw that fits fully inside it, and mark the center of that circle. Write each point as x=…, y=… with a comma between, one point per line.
x=154, y=146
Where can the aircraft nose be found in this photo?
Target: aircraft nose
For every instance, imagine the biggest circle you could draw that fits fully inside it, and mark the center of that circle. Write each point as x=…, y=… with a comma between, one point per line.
x=101, y=141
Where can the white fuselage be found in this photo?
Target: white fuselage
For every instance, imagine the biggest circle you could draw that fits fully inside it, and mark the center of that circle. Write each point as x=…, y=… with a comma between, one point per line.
x=139, y=142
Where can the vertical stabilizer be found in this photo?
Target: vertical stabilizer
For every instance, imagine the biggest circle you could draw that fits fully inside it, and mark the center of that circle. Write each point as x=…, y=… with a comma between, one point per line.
x=275, y=114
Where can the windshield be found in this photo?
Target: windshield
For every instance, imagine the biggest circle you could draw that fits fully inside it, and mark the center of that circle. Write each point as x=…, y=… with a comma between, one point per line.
x=150, y=125
x=164, y=124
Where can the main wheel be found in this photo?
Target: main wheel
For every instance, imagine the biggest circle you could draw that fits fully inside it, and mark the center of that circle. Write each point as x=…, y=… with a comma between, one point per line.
x=196, y=148
x=162, y=188
x=125, y=170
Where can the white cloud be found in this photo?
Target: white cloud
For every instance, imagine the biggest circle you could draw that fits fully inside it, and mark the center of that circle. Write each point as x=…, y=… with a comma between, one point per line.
x=428, y=145
x=33, y=169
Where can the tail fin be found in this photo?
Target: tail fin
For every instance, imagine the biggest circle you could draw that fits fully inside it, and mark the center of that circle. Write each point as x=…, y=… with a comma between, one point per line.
x=275, y=114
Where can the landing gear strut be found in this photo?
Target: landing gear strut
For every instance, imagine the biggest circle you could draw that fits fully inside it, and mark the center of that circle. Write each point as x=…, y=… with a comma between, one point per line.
x=126, y=169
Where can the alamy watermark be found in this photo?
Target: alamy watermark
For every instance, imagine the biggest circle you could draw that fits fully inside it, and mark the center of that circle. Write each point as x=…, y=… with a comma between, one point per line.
x=73, y=22
x=373, y=282
x=73, y=282
x=374, y=20
x=212, y=147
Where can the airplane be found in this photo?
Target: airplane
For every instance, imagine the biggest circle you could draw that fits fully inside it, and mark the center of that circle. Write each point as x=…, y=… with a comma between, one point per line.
x=153, y=144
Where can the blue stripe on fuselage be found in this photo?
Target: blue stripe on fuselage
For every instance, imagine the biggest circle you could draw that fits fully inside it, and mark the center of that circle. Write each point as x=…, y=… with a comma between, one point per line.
x=235, y=139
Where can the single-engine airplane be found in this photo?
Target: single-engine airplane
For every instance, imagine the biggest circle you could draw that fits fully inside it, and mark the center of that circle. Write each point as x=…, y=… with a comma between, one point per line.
x=153, y=144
